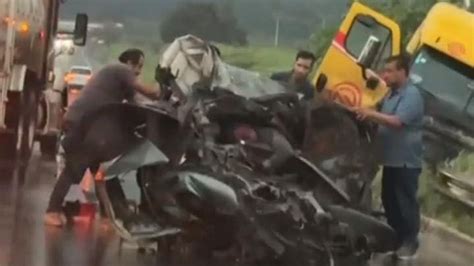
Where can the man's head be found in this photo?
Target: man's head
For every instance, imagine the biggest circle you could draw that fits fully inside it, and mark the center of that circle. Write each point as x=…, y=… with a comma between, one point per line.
x=303, y=64
x=396, y=70
x=134, y=58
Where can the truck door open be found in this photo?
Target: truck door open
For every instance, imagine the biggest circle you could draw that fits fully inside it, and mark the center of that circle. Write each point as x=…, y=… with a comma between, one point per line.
x=365, y=38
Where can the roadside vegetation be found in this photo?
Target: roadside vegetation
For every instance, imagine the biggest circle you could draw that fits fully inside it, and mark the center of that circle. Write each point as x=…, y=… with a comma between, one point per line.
x=463, y=165
x=440, y=207
x=262, y=59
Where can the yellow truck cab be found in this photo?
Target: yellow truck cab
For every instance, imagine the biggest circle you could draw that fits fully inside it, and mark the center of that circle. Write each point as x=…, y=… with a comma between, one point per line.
x=365, y=38
x=442, y=50
x=443, y=70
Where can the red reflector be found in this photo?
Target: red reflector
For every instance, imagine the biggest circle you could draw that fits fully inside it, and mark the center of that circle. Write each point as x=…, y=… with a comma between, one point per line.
x=42, y=35
x=340, y=38
x=86, y=213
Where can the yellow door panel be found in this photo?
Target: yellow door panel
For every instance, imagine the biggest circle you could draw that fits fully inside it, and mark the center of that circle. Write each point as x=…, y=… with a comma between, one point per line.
x=361, y=31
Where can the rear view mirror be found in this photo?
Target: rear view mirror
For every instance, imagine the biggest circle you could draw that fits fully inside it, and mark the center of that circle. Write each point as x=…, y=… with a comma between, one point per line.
x=369, y=52
x=80, y=29
x=321, y=82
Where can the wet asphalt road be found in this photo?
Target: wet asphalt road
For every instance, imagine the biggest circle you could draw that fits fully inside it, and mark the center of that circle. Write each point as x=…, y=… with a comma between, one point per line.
x=25, y=241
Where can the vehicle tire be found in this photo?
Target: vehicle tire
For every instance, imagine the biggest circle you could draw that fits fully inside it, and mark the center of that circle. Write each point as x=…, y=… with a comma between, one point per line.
x=27, y=124
x=19, y=143
x=48, y=146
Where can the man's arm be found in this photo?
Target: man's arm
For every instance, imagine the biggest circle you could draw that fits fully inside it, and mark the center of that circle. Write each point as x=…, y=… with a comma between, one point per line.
x=151, y=91
x=379, y=117
x=409, y=110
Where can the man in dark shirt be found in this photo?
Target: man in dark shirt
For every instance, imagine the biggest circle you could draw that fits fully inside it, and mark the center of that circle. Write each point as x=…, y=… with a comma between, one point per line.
x=114, y=83
x=298, y=77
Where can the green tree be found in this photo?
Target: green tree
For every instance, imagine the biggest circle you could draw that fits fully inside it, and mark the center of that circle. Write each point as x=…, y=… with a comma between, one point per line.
x=205, y=21
x=321, y=40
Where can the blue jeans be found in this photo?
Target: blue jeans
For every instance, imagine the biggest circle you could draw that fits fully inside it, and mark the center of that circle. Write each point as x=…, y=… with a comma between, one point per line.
x=399, y=198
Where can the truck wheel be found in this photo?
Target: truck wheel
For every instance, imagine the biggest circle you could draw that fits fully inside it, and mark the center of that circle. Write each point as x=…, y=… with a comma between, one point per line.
x=18, y=142
x=27, y=125
x=48, y=146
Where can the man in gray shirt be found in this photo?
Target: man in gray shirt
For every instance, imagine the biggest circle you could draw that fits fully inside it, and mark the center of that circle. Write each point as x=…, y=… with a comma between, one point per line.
x=114, y=83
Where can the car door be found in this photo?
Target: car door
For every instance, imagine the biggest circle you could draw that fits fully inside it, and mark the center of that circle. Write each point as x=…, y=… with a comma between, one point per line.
x=348, y=70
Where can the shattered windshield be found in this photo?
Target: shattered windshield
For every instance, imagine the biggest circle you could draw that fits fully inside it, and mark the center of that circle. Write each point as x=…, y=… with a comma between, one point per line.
x=444, y=78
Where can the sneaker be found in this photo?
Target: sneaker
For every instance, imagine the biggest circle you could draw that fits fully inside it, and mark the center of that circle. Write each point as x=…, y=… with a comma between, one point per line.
x=54, y=219
x=407, y=251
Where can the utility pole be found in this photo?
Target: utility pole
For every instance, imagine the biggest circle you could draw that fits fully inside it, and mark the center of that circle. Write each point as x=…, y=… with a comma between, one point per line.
x=277, y=30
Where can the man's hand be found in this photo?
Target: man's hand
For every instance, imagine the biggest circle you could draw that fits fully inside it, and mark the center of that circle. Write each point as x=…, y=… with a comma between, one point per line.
x=163, y=75
x=150, y=91
x=377, y=117
x=363, y=113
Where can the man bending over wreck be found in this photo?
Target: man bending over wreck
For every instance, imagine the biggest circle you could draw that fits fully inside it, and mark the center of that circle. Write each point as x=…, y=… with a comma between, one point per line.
x=112, y=84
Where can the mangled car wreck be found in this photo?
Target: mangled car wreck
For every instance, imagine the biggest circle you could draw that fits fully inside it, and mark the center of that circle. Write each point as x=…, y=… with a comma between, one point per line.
x=232, y=162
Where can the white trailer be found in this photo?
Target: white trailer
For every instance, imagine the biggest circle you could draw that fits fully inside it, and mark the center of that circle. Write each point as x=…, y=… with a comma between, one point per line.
x=27, y=33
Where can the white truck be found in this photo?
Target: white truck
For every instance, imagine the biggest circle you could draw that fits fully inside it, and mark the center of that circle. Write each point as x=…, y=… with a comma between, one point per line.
x=29, y=108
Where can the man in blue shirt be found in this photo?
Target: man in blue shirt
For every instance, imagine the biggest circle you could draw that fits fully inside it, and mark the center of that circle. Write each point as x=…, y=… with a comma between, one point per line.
x=297, y=78
x=400, y=138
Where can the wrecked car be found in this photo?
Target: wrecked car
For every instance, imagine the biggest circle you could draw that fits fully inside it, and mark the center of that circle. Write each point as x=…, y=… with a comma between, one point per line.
x=203, y=189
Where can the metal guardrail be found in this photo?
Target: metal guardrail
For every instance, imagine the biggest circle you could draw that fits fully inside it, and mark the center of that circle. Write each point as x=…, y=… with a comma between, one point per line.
x=451, y=133
x=456, y=188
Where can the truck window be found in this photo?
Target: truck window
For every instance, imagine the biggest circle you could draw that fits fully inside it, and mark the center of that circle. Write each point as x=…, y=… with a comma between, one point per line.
x=470, y=108
x=444, y=77
x=358, y=35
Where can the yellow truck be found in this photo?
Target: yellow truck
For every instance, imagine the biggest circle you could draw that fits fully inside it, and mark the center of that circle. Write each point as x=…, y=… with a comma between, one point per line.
x=442, y=49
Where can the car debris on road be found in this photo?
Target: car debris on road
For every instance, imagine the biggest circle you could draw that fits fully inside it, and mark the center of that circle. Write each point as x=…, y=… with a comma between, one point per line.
x=206, y=191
